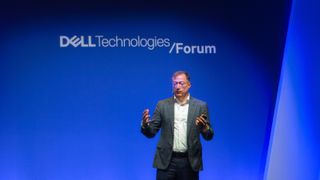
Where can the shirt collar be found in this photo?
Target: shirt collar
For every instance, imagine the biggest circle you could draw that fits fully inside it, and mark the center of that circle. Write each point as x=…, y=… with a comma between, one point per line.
x=177, y=101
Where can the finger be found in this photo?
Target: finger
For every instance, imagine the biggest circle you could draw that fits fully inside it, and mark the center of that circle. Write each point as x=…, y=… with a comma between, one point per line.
x=199, y=118
x=146, y=117
x=146, y=111
x=146, y=121
x=201, y=121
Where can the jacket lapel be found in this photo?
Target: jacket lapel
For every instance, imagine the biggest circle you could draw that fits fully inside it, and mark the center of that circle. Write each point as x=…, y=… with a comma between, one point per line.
x=171, y=113
x=191, y=113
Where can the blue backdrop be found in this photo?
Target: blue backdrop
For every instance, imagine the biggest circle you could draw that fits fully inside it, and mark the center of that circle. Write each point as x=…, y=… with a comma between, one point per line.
x=75, y=112
x=294, y=151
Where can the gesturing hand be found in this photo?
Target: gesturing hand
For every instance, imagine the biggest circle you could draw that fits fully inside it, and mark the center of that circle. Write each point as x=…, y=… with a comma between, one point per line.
x=145, y=118
x=202, y=122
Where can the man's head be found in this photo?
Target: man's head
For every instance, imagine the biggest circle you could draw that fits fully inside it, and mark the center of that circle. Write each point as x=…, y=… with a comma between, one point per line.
x=181, y=84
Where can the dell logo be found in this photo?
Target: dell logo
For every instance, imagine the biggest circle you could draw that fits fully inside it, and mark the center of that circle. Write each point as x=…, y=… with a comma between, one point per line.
x=75, y=41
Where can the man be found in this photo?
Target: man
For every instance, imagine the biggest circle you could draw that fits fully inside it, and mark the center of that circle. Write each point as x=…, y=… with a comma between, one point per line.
x=182, y=119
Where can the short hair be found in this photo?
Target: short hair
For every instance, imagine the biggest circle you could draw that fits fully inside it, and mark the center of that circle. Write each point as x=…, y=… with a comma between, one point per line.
x=181, y=72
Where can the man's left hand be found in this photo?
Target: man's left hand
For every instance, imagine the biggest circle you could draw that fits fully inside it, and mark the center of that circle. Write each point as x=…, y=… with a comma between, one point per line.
x=202, y=123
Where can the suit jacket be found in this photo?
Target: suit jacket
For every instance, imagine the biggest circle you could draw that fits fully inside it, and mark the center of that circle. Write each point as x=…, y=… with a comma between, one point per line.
x=163, y=118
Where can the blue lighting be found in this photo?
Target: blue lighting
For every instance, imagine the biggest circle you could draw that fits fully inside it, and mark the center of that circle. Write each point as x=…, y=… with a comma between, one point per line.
x=294, y=146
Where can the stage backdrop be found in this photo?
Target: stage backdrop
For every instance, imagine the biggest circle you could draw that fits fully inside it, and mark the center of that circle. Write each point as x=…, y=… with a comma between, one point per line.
x=76, y=76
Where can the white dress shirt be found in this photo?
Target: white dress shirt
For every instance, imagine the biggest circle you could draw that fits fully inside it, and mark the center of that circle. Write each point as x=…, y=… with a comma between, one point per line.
x=180, y=125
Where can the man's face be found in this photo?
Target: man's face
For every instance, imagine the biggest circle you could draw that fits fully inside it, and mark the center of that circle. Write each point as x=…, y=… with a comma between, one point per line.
x=180, y=85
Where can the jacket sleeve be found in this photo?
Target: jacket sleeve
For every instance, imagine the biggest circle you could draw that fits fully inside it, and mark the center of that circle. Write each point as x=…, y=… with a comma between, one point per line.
x=155, y=123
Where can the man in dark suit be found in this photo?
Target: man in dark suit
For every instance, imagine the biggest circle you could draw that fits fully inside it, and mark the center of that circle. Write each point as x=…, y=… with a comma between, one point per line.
x=181, y=119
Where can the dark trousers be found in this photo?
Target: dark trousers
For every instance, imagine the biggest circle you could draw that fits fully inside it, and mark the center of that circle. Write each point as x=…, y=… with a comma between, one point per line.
x=179, y=169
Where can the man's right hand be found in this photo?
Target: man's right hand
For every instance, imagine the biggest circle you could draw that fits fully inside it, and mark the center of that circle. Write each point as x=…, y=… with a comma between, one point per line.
x=145, y=118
